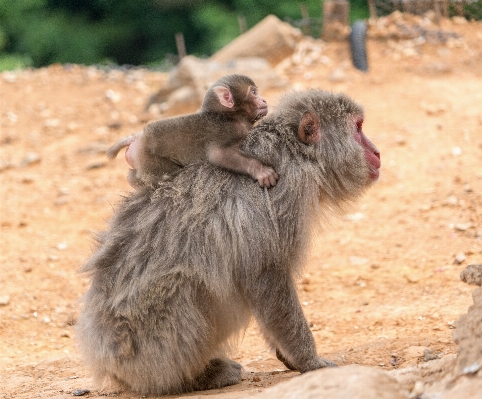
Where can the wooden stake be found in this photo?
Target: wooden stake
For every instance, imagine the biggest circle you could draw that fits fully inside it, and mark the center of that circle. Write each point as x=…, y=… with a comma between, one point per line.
x=181, y=46
x=438, y=12
x=241, y=24
x=305, y=28
x=373, y=9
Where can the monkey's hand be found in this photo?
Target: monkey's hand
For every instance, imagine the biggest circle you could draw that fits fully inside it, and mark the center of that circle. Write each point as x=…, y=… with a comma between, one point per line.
x=266, y=176
x=318, y=363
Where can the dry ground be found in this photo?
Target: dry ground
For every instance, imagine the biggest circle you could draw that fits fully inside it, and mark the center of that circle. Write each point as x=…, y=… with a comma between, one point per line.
x=379, y=288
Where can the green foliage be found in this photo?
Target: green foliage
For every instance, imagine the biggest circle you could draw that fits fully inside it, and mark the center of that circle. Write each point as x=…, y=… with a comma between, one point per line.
x=10, y=62
x=140, y=32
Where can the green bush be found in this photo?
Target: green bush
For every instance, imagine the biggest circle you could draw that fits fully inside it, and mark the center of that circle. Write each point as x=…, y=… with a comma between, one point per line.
x=140, y=32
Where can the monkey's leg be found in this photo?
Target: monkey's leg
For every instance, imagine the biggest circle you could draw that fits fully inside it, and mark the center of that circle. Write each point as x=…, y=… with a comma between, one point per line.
x=272, y=297
x=282, y=359
x=133, y=180
x=218, y=373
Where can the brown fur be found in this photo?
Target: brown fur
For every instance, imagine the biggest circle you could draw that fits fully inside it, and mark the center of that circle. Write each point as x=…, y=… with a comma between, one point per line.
x=183, y=267
x=214, y=133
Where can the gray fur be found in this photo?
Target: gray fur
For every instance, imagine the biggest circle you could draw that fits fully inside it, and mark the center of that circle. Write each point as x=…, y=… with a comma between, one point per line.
x=183, y=267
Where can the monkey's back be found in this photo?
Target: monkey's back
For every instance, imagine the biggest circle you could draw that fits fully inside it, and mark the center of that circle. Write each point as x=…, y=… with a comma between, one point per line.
x=184, y=138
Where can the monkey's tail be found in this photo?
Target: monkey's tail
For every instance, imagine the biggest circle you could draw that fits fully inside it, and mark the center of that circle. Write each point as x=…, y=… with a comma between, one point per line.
x=114, y=149
x=270, y=211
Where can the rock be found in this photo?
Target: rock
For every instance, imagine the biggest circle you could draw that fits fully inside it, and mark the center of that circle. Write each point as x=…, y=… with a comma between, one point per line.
x=472, y=274
x=31, y=158
x=80, y=392
x=354, y=382
x=459, y=258
x=414, y=352
x=189, y=81
x=428, y=355
x=270, y=39
x=468, y=332
x=462, y=226
x=357, y=260
x=338, y=75
x=4, y=300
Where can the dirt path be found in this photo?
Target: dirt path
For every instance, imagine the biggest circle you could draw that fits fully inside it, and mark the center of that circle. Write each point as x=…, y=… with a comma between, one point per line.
x=379, y=288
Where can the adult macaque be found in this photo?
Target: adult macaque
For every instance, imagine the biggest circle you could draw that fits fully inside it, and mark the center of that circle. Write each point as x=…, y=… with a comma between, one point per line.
x=183, y=267
x=215, y=132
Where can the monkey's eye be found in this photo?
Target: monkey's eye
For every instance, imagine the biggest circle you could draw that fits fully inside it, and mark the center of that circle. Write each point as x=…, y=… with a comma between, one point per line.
x=359, y=126
x=254, y=91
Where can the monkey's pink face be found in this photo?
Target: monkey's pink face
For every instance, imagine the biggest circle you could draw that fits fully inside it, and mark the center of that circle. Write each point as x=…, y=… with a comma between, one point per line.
x=372, y=155
x=257, y=104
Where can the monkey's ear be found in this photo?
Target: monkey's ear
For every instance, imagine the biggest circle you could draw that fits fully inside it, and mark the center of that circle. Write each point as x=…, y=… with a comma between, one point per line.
x=309, y=129
x=225, y=96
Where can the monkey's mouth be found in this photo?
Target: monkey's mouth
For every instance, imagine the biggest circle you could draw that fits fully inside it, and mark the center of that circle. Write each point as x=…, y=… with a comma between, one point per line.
x=261, y=113
x=374, y=162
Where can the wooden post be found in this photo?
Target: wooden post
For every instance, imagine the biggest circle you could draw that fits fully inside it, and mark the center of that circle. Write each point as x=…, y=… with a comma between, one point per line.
x=445, y=8
x=436, y=7
x=181, y=46
x=241, y=24
x=305, y=17
x=459, y=7
x=373, y=9
x=335, y=16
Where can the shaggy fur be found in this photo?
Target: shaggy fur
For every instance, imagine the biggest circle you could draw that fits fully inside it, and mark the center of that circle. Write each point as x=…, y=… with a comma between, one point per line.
x=183, y=267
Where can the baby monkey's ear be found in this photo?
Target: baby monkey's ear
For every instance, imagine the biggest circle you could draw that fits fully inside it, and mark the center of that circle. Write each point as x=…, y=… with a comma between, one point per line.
x=225, y=96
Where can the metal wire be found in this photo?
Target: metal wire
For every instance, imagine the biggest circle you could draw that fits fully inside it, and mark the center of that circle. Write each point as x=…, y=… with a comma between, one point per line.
x=469, y=9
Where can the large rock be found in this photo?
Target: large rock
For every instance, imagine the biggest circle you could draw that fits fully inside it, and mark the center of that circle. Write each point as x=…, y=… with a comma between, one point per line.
x=354, y=382
x=468, y=333
x=270, y=39
x=188, y=82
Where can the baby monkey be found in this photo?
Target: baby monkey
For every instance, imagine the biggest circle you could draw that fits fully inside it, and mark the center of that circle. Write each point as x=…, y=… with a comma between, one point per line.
x=215, y=133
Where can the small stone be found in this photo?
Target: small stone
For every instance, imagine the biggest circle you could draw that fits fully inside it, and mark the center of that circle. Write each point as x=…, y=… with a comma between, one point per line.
x=9, y=77
x=462, y=226
x=4, y=300
x=30, y=159
x=338, y=75
x=357, y=260
x=112, y=96
x=52, y=122
x=5, y=164
x=451, y=200
x=459, y=258
x=62, y=246
x=96, y=164
x=414, y=352
x=80, y=392
x=456, y=151
x=411, y=278
x=429, y=355
x=256, y=379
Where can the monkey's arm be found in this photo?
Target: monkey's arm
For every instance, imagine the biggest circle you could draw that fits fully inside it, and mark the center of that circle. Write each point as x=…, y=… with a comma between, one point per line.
x=274, y=302
x=230, y=157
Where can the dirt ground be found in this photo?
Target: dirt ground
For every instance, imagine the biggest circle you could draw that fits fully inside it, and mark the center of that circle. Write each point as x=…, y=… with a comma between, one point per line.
x=381, y=288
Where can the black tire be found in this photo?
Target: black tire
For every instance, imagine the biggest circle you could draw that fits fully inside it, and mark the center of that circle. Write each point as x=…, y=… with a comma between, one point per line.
x=358, y=45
